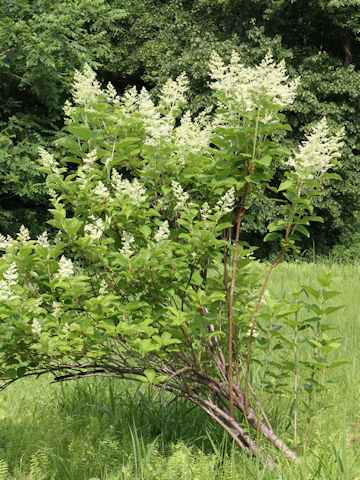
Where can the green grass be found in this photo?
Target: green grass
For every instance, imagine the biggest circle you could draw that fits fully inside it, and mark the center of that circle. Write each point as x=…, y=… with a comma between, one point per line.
x=102, y=429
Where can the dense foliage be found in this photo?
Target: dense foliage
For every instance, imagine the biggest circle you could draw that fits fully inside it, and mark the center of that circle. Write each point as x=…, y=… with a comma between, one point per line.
x=145, y=43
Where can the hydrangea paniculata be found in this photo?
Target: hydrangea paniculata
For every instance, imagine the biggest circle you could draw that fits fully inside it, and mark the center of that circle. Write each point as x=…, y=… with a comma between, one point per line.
x=244, y=87
x=48, y=161
x=95, y=229
x=134, y=190
x=181, y=196
x=318, y=152
x=66, y=268
x=10, y=278
x=163, y=232
x=226, y=202
x=127, y=239
x=23, y=234
x=43, y=239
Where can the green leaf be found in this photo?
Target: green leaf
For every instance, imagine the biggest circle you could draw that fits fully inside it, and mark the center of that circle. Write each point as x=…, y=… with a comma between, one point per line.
x=309, y=290
x=145, y=230
x=285, y=185
x=271, y=236
x=80, y=131
x=300, y=228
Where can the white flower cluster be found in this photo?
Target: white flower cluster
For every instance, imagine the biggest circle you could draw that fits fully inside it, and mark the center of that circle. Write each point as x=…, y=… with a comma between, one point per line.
x=23, y=234
x=226, y=202
x=95, y=229
x=111, y=93
x=86, y=168
x=57, y=309
x=191, y=137
x=43, y=239
x=89, y=161
x=181, y=196
x=134, y=190
x=52, y=193
x=10, y=278
x=245, y=86
x=163, y=232
x=86, y=88
x=66, y=268
x=5, y=242
x=36, y=327
x=66, y=328
x=318, y=153
x=157, y=128
x=103, y=287
x=173, y=93
x=48, y=161
x=128, y=240
x=101, y=191
x=205, y=211
x=130, y=99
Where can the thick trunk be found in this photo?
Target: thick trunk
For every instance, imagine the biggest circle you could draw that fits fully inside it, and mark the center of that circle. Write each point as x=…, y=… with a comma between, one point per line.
x=346, y=46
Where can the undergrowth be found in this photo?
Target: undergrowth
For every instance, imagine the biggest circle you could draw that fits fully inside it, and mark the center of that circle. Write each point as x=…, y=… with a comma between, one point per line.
x=99, y=429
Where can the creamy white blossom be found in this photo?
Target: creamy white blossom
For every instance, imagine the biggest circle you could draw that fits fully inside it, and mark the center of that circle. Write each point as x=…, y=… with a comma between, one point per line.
x=205, y=211
x=66, y=328
x=86, y=89
x=163, y=232
x=181, y=196
x=89, y=160
x=23, y=234
x=36, y=327
x=10, y=278
x=5, y=242
x=128, y=239
x=157, y=128
x=38, y=302
x=48, y=161
x=43, y=239
x=134, y=190
x=255, y=332
x=111, y=93
x=86, y=168
x=95, y=229
x=191, y=137
x=173, y=93
x=101, y=191
x=318, y=152
x=226, y=202
x=103, y=287
x=66, y=268
x=58, y=237
x=6, y=292
x=68, y=108
x=130, y=99
x=57, y=309
x=245, y=87
x=52, y=193
x=11, y=275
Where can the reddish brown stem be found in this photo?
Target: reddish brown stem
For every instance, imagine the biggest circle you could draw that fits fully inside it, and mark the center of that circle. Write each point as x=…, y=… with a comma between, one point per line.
x=231, y=299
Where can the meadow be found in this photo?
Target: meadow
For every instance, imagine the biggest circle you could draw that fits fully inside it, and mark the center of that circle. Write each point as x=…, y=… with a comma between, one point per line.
x=103, y=429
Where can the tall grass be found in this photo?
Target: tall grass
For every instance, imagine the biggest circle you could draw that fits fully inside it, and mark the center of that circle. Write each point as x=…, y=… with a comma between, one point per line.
x=102, y=429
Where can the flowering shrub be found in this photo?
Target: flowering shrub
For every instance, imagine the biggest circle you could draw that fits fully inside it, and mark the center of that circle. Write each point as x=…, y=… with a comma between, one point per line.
x=147, y=277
